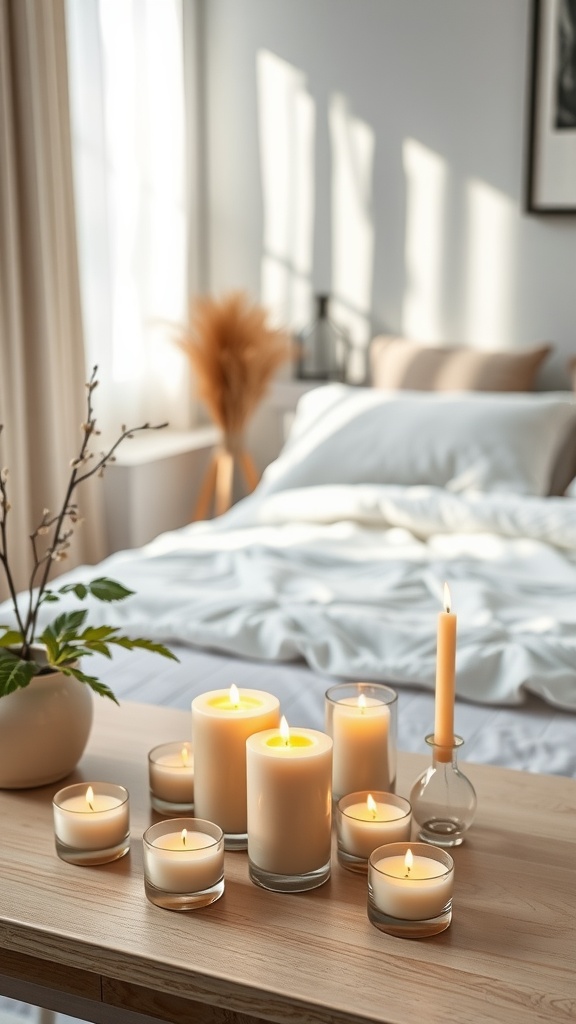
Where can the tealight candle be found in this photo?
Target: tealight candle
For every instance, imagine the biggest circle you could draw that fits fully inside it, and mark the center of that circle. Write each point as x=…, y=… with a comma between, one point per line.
x=410, y=889
x=365, y=821
x=222, y=721
x=183, y=863
x=289, y=808
x=361, y=719
x=171, y=775
x=91, y=823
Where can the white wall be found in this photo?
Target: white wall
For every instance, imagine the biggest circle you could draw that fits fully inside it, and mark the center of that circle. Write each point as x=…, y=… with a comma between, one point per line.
x=392, y=162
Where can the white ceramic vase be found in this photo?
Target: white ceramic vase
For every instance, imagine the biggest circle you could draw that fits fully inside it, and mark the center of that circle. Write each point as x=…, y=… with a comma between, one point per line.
x=44, y=729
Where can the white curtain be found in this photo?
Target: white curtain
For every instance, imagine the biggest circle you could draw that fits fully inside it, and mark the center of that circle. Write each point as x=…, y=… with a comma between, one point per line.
x=129, y=145
x=42, y=368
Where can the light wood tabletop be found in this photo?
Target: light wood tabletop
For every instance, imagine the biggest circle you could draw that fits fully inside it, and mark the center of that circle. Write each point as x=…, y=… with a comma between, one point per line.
x=86, y=941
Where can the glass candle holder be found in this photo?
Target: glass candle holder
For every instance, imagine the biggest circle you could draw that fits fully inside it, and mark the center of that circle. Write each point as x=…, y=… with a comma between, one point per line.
x=365, y=821
x=443, y=799
x=362, y=719
x=410, y=887
x=91, y=823
x=171, y=776
x=183, y=863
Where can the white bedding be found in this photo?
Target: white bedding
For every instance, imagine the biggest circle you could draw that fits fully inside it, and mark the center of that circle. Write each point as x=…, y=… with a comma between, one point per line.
x=347, y=575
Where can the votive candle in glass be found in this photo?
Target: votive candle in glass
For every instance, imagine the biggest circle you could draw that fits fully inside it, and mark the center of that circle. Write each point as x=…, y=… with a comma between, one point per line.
x=365, y=821
x=183, y=863
x=410, y=887
x=171, y=776
x=91, y=823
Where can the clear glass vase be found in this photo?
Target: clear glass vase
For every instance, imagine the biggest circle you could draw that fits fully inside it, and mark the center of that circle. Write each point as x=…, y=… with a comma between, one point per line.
x=443, y=799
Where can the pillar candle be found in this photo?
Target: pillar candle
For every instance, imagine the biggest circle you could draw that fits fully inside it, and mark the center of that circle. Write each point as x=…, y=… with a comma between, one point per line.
x=360, y=731
x=222, y=721
x=445, y=679
x=289, y=800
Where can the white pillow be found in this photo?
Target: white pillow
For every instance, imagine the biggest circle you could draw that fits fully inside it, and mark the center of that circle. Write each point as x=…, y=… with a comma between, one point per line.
x=464, y=441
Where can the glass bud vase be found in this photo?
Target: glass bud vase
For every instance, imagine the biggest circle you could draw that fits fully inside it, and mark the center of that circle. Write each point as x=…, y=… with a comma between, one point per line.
x=443, y=799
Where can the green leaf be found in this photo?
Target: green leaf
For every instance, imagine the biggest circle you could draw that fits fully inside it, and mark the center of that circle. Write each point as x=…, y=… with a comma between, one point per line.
x=90, y=681
x=48, y=596
x=104, y=589
x=66, y=626
x=11, y=637
x=148, y=645
x=15, y=674
x=97, y=633
x=80, y=589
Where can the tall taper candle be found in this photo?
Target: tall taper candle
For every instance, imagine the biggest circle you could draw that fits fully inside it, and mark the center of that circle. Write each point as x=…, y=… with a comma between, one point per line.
x=445, y=680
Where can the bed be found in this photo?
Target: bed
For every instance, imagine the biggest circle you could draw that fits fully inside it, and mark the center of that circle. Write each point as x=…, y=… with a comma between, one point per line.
x=333, y=569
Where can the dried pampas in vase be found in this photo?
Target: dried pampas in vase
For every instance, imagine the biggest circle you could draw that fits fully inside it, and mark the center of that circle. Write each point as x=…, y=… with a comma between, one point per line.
x=233, y=354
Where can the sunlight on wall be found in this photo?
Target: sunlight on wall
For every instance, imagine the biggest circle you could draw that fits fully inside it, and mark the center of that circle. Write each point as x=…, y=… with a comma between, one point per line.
x=287, y=121
x=490, y=277
x=426, y=181
x=352, y=226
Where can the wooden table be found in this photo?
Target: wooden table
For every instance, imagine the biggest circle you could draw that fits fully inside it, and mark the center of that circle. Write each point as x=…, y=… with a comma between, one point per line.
x=86, y=941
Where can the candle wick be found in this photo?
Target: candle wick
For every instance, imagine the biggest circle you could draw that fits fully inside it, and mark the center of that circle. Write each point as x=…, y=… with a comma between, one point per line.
x=90, y=805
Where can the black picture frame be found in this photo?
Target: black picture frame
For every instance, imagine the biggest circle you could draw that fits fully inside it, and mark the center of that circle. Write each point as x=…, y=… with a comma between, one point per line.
x=551, y=177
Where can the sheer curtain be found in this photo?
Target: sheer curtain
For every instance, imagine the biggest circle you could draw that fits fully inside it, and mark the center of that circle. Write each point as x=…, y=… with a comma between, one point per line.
x=42, y=369
x=126, y=71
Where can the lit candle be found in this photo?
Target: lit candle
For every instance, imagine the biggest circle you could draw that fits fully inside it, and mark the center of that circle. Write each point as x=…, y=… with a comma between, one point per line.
x=411, y=883
x=183, y=863
x=364, y=739
x=222, y=721
x=171, y=775
x=93, y=820
x=289, y=806
x=445, y=680
x=365, y=821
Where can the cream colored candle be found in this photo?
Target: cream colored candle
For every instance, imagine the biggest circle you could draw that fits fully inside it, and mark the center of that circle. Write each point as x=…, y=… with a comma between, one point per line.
x=360, y=731
x=184, y=861
x=91, y=817
x=222, y=721
x=445, y=680
x=171, y=773
x=289, y=800
x=409, y=885
x=366, y=821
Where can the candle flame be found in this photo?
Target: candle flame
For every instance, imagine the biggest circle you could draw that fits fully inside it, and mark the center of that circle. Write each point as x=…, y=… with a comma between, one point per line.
x=408, y=862
x=90, y=797
x=285, y=730
x=234, y=695
x=371, y=804
x=447, y=601
x=184, y=834
x=362, y=702
x=185, y=755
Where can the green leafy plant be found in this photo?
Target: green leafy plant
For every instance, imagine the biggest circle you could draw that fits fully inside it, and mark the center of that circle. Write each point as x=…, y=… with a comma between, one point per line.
x=26, y=652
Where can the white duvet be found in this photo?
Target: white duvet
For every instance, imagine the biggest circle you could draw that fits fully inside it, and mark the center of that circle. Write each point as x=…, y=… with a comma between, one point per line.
x=350, y=578
x=349, y=575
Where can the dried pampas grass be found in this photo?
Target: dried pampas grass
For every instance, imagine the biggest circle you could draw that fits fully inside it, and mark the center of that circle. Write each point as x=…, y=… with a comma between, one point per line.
x=234, y=354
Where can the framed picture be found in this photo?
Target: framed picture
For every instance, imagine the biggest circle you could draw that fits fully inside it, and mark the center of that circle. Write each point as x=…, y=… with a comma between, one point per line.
x=551, y=184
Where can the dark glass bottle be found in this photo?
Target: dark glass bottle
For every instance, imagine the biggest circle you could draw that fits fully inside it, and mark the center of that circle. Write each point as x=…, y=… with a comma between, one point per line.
x=324, y=347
